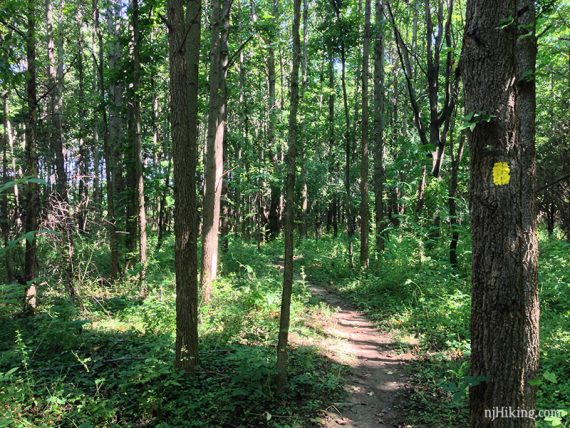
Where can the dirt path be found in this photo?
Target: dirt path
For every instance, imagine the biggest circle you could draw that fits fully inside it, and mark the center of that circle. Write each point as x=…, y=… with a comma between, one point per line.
x=376, y=386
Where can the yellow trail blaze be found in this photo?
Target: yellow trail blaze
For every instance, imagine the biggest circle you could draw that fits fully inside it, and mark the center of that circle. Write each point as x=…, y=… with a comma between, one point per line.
x=501, y=173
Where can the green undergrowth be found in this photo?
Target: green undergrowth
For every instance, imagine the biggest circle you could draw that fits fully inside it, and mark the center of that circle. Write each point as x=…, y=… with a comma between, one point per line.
x=414, y=293
x=108, y=361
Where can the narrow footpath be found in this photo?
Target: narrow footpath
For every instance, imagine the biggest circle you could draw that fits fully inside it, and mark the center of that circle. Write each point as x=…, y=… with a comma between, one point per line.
x=376, y=386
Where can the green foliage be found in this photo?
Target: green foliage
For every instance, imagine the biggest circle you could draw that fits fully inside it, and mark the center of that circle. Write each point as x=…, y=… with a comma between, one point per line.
x=427, y=305
x=110, y=362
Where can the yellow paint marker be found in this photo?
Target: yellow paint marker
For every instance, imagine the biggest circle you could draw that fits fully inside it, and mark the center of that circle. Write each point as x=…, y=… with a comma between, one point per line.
x=501, y=173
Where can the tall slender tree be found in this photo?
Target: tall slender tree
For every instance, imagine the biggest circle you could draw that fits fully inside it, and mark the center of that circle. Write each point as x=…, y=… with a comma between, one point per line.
x=215, y=145
x=378, y=145
x=184, y=30
x=32, y=203
x=364, y=208
x=289, y=204
x=137, y=146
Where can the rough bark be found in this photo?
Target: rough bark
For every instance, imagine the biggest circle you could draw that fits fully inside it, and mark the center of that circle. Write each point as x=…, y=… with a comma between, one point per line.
x=184, y=51
x=289, y=205
x=498, y=73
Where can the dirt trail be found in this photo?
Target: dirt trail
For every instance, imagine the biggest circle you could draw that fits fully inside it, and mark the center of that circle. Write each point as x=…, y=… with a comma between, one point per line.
x=376, y=386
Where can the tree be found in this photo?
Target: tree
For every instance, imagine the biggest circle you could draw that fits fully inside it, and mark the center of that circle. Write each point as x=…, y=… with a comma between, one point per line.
x=137, y=147
x=284, y=320
x=379, y=125
x=364, y=209
x=184, y=52
x=498, y=73
x=32, y=202
x=215, y=145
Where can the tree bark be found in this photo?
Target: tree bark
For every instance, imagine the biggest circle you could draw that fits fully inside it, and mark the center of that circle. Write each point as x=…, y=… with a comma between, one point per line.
x=379, y=127
x=137, y=147
x=111, y=221
x=32, y=203
x=364, y=209
x=215, y=150
x=289, y=205
x=184, y=54
x=55, y=83
x=275, y=196
x=4, y=210
x=498, y=73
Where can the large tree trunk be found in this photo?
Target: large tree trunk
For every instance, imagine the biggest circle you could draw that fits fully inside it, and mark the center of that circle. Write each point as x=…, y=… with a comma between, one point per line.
x=498, y=74
x=215, y=150
x=379, y=127
x=137, y=148
x=364, y=210
x=32, y=202
x=289, y=205
x=184, y=54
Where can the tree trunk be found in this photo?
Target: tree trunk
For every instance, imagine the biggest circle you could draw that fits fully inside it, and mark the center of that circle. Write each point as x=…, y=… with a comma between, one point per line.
x=111, y=222
x=32, y=202
x=83, y=149
x=379, y=127
x=184, y=53
x=215, y=150
x=303, y=224
x=452, y=197
x=289, y=206
x=364, y=210
x=275, y=196
x=4, y=213
x=55, y=83
x=137, y=148
x=498, y=74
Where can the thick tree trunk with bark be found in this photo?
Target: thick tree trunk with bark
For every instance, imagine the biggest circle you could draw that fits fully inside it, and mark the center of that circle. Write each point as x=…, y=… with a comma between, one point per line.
x=184, y=53
x=289, y=205
x=215, y=151
x=498, y=73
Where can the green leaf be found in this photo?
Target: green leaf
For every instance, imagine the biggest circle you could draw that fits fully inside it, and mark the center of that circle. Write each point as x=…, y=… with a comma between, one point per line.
x=535, y=382
x=551, y=377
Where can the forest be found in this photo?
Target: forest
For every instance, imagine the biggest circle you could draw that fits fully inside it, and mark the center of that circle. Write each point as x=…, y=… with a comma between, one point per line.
x=285, y=213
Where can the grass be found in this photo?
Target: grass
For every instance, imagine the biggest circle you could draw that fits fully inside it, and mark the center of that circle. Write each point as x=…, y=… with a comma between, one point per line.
x=109, y=361
x=417, y=295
